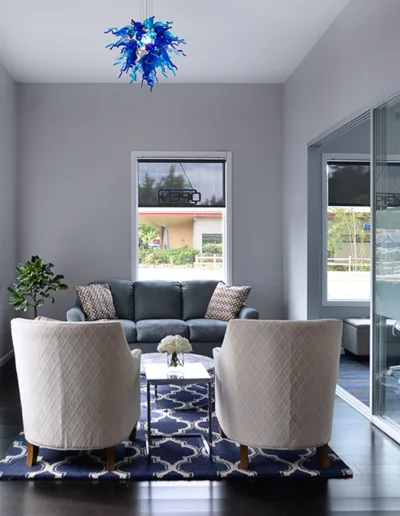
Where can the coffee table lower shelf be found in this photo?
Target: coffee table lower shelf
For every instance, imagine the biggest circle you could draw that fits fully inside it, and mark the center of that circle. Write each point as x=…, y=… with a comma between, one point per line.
x=206, y=444
x=194, y=374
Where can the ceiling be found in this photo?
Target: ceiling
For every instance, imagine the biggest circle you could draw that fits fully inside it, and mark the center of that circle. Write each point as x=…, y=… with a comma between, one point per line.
x=227, y=40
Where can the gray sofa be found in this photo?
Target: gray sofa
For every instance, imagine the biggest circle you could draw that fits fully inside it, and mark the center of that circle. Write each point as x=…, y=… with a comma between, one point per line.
x=151, y=310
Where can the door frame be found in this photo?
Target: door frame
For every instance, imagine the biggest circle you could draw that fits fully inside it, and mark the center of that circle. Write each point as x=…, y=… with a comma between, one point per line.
x=388, y=427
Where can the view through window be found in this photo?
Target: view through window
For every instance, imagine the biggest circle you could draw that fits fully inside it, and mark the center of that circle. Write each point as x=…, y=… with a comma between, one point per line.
x=348, y=231
x=181, y=219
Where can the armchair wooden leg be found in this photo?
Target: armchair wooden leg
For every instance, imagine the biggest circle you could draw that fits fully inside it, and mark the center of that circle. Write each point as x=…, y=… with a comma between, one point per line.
x=323, y=456
x=110, y=459
x=132, y=437
x=33, y=451
x=244, y=457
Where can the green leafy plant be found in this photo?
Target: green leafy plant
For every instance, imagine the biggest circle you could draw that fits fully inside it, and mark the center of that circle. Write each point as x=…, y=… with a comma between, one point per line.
x=177, y=256
x=146, y=234
x=35, y=283
x=212, y=249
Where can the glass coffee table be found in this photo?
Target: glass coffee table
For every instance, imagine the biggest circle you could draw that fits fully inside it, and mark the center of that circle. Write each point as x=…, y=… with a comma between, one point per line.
x=193, y=374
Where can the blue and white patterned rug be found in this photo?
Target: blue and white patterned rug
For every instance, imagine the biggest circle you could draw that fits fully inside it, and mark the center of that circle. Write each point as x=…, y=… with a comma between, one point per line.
x=177, y=410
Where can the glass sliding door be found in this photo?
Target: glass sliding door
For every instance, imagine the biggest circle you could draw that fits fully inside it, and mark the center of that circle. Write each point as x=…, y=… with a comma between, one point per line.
x=386, y=269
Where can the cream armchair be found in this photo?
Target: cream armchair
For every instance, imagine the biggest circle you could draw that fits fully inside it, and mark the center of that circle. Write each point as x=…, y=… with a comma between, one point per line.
x=275, y=384
x=79, y=385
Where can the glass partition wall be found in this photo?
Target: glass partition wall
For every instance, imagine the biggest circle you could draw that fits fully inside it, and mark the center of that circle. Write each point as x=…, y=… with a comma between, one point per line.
x=360, y=255
x=385, y=310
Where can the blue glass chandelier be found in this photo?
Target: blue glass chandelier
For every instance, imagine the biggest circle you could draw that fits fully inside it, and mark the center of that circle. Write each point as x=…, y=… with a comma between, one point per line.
x=146, y=48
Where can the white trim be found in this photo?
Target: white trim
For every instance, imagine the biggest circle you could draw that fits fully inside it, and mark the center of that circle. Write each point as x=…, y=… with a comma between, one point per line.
x=162, y=155
x=8, y=356
x=228, y=246
x=325, y=158
x=391, y=429
x=354, y=402
x=182, y=155
x=383, y=424
x=134, y=218
x=372, y=327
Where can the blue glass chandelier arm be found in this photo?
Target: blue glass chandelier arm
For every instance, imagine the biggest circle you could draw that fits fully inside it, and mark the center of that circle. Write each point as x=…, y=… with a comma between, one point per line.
x=167, y=61
x=128, y=30
x=149, y=23
x=146, y=48
x=118, y=44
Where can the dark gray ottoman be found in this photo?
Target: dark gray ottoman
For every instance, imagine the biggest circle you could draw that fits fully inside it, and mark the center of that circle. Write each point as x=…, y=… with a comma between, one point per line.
x=355, y=337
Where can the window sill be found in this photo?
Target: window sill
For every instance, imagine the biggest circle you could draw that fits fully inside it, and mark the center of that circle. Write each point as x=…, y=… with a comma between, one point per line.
x=347, y=302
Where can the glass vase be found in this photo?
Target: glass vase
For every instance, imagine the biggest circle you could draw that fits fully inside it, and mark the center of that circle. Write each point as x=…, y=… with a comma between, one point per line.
x=175, y=364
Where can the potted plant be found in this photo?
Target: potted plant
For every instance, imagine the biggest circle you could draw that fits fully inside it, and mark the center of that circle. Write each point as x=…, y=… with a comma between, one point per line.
x=35, y=283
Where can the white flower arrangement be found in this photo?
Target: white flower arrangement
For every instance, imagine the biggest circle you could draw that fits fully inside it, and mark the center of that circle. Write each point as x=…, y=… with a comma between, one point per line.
x=174, y=344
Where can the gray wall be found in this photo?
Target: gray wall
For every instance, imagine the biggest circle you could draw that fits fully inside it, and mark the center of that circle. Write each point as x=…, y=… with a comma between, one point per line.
x=8, y=213
x=74, y=174
x=352, y=65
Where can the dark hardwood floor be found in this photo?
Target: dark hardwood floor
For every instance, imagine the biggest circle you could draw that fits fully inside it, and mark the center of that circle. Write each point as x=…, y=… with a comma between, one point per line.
x=375, y=488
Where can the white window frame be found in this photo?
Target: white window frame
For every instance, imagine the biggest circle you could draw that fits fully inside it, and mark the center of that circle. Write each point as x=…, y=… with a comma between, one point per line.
x=325, y=159
x=178, y=156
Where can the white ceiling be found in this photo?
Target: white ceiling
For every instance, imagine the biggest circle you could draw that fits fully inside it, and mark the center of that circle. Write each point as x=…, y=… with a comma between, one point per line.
x=227, y=40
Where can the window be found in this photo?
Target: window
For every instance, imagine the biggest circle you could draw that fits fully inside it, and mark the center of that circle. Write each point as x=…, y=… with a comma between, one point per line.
x=348, y=227
x=212, y=238
x=347, y=231
x=181, y=219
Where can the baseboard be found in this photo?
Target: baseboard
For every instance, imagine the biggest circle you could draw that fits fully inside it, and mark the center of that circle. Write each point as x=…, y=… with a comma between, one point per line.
x=8, y=356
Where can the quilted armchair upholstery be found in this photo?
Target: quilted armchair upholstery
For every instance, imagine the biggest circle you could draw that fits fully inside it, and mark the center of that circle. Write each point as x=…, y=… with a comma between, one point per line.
x=79, y=385
x=275, y=384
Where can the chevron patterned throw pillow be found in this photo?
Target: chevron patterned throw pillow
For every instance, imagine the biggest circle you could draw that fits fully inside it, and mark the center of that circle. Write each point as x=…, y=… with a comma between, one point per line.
x=97, y=302
x=226, y=302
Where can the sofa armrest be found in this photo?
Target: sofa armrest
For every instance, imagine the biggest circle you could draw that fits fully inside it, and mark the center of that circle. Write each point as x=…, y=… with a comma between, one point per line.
x=136, y=361
x=248, y=313
x=135, y=377
x=76, y=314
x=216, y=354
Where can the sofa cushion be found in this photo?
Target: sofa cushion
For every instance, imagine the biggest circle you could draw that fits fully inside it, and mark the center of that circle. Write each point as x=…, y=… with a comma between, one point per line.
x=358, y=322
x=153, y=330
x=206, y=330
x=196, y=295
x=129, y=329
x=122, y=294
x=158, y=300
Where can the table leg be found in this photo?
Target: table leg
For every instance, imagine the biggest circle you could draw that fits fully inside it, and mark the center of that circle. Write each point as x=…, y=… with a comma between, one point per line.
x=155, y=393
x=148, y=417
x=210, y=414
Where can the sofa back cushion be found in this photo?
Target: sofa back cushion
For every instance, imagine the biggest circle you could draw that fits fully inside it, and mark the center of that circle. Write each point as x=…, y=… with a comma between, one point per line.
x=122, y=294
x=196, y=295
x=157, y=299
